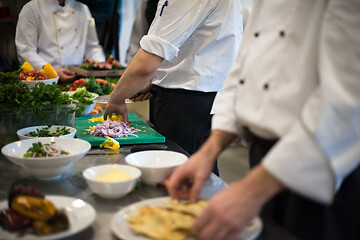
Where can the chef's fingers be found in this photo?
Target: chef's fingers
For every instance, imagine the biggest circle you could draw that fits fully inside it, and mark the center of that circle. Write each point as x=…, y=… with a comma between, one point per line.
x=232, y=234
x=195, y=189
x=68, y=72
x=201, y=223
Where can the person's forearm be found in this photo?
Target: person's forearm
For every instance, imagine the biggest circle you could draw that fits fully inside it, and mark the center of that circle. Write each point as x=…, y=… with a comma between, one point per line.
x=136, y=76
x=261, y=185
x=217, y=142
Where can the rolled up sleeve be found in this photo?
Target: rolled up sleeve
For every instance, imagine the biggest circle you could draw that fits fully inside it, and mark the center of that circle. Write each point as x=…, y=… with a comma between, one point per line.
x=159, y=47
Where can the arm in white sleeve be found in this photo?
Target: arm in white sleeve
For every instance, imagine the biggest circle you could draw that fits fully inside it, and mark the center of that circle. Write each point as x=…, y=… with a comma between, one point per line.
x=26, y=38
x=93, y=49
x=172, y=26
x=318, y=153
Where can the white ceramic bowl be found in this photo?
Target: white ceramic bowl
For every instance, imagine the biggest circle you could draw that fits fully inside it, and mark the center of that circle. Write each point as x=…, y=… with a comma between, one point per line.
x=111, y=189
x=155, y=165
x=46, y=168
x=32, y=83
x=22, y=132
x=88, y=107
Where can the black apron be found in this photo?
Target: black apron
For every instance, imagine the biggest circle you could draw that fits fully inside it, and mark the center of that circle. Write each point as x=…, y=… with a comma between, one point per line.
x=305, y=218
x=184, y=117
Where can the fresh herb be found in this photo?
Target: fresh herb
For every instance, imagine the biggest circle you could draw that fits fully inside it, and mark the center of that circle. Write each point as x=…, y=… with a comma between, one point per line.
x=96, y=87
x=16, y=97
x=45, y=150
x=45, y=132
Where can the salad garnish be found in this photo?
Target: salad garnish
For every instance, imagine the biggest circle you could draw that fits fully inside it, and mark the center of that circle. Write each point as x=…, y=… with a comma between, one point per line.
x=45, y=150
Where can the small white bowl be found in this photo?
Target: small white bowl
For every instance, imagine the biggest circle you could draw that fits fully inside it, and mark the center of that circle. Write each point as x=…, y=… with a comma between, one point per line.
x=46, y=168
x=22, y=132
x=32, y=83
x=88, y=107
x=111, y=189
x=155, y=165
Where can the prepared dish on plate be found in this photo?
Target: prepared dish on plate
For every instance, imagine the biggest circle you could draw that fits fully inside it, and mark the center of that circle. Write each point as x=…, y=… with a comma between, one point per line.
x=45, y=150
x=173, y=222
x=30, y=212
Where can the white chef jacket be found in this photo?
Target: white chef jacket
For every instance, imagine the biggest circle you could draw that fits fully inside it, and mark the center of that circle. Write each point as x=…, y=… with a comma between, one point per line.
x=198, y=39
x=61, y=36
x=296, y=77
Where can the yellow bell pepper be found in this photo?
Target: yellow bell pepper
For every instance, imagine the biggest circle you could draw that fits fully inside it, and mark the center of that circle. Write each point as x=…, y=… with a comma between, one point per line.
x=49, y=71
x=27, y=67
x=116, y=118
x=110, y=143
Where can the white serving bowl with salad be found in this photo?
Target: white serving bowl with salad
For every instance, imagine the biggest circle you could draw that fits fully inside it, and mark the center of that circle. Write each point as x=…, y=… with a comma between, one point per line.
x=46, y=158
x=86, y=98
x=46, y=131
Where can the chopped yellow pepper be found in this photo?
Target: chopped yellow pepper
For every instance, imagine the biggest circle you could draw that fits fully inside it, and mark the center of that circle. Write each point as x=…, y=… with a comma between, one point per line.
x=110, y=143
x=112, y=118
x=27, y=67
x=49, y=71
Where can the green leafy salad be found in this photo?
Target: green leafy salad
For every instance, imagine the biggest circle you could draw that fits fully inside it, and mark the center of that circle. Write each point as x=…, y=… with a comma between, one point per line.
x=16, y=97
x=45, y=132
x=82, y=97
x=45, y=150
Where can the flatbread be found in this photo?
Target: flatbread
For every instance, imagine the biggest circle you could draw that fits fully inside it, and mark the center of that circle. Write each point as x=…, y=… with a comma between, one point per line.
x=173, y=222
x=194, y=209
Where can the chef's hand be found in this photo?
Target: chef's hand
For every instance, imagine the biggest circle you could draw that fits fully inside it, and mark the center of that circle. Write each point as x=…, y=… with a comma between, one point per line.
x=187, y=180
x=145, y=94
x=65, y=75
x=117, y=109
x=231, y=210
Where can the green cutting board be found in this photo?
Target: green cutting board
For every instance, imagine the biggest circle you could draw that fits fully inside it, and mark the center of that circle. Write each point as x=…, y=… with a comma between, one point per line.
x=147, y=134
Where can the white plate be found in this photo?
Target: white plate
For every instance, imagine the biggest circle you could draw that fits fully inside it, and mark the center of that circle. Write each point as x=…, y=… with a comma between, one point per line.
x=80, y=215
x=121, y=228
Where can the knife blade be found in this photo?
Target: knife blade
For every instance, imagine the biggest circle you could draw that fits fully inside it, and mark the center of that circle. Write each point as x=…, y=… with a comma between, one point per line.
x=126, y=150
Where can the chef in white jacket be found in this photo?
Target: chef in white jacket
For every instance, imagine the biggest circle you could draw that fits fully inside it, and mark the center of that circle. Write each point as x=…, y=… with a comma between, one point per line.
x=295, y=92
x=59, y=32
x=186, y=55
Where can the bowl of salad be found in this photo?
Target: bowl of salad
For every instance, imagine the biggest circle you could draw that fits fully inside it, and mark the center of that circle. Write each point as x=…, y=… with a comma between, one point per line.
x=46, y=158
x=85, y=100
x=46, y=131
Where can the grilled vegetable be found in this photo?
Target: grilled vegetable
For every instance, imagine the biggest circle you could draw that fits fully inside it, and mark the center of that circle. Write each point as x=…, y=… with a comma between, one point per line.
x=33, y=207
x=59, y=222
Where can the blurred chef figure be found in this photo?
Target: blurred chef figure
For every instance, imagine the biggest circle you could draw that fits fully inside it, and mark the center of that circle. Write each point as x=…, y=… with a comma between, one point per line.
x=186, y=54
x=59, y=32
x=294, y=90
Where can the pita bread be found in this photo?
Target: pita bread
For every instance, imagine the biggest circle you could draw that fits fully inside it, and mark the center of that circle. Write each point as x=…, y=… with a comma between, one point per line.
x=173, y=222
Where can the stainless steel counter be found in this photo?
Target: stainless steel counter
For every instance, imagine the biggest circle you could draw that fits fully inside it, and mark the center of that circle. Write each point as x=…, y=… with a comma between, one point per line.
x=72, y=184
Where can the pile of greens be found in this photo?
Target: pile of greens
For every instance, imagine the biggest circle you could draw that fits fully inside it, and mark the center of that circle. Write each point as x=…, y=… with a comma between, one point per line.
x=16, y=97
x=82, y=97
x=45, y=132
x=96, y=87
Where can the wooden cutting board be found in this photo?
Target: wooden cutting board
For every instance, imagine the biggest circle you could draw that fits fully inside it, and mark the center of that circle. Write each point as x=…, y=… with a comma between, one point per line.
x=147, y=134
x=96, y=73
